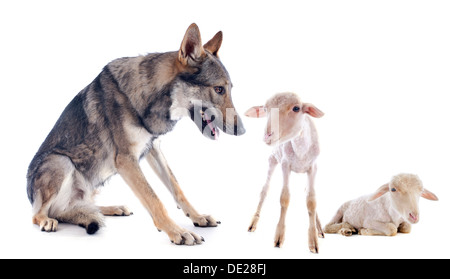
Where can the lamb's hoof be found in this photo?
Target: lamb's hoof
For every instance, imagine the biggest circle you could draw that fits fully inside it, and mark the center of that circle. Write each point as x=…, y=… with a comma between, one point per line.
x=279, y=241
x=314, y=250
x=252, y=226
x=278, y=244
x=346, y=232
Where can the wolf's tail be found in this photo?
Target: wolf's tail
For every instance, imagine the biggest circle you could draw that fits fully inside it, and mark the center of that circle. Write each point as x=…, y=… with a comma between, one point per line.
x=86, y=216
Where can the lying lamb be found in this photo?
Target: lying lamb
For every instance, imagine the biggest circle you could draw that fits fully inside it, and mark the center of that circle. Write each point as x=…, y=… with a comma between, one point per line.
x=293, y=135
x=391, y=209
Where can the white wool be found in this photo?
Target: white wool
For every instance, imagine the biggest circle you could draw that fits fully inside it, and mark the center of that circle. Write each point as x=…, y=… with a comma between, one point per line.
x=293, y=136
x=392, y=208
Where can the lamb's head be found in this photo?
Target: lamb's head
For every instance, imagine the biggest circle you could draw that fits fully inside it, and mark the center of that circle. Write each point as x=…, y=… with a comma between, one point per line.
x=285, y=114
x=404, y=191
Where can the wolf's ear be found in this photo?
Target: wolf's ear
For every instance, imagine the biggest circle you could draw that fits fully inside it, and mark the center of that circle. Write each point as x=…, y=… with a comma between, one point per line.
x=191, y=51
x=214, y=44
x=256, y=112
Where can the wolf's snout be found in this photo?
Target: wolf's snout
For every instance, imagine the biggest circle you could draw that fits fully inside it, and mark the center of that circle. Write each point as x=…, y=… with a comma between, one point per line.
x=236, y=130
x=239, y=130
x=238, y=127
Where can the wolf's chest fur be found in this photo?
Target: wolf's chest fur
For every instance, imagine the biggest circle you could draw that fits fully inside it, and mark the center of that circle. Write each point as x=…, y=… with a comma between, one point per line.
x=146, y=83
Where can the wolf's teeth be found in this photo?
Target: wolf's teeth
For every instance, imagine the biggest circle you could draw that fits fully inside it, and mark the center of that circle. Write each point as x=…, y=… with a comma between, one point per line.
x=203, y=115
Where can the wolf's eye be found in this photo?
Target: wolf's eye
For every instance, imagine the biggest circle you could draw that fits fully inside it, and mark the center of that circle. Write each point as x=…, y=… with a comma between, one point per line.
x=296, y=109
x=219, y=90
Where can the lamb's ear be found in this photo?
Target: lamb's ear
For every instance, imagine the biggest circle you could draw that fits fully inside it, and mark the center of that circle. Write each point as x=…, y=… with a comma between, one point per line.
x=214, y=44
x=381, y=191
x=312, y=110
x=256, y=112
x=191, y=51
x=429, y=196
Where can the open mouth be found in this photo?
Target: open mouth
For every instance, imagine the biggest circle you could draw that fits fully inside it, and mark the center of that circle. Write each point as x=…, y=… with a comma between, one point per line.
x=205, y=123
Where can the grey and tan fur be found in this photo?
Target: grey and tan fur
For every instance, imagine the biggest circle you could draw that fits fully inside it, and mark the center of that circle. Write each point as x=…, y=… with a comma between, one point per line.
x=116, y=121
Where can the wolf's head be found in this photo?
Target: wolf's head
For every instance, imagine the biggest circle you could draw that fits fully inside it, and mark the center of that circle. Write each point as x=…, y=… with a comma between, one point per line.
x=202, y=89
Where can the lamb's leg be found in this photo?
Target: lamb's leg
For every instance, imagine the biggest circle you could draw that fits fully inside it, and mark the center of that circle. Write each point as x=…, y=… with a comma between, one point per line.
x=342, y=228
x=319, y=227
x=404, y=227
x=313, y=241
x=284, y=201
x=336, y=225
x=272, y=164
x=379, y=228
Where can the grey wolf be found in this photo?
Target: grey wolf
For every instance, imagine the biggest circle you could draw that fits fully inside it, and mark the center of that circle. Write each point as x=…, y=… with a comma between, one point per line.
x=116, y=121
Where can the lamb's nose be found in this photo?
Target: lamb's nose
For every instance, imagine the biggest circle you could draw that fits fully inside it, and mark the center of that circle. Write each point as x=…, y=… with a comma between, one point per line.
x=414, y=217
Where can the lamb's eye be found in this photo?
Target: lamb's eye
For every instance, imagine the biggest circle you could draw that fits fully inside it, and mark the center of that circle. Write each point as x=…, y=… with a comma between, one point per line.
x=219, y=90
x=296, y=109
x=393, y=190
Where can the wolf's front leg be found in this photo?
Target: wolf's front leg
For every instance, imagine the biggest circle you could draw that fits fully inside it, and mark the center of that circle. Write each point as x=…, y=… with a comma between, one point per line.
x=129, y=169
x=157, y=161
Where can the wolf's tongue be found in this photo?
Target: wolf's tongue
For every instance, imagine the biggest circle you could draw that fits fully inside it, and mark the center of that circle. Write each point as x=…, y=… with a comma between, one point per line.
x=213, y=130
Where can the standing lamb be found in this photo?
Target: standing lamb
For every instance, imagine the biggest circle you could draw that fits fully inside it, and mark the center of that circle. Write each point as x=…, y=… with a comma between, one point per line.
x=391, y=209
x=293, y=135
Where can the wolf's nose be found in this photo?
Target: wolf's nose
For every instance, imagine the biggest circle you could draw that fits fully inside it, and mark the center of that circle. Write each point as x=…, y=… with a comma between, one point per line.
x=239, y=130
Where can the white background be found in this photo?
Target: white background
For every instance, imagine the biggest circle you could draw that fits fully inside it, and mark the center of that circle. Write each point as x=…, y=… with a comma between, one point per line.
x=378, y=69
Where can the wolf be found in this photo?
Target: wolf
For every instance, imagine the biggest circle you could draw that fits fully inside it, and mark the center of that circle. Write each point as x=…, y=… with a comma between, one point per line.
x=116, y=121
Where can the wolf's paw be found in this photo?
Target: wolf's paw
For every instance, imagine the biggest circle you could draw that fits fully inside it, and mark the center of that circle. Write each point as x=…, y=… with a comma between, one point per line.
x=181, y=236
x=48, y=225
x=204, y=221
x=115, y=210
